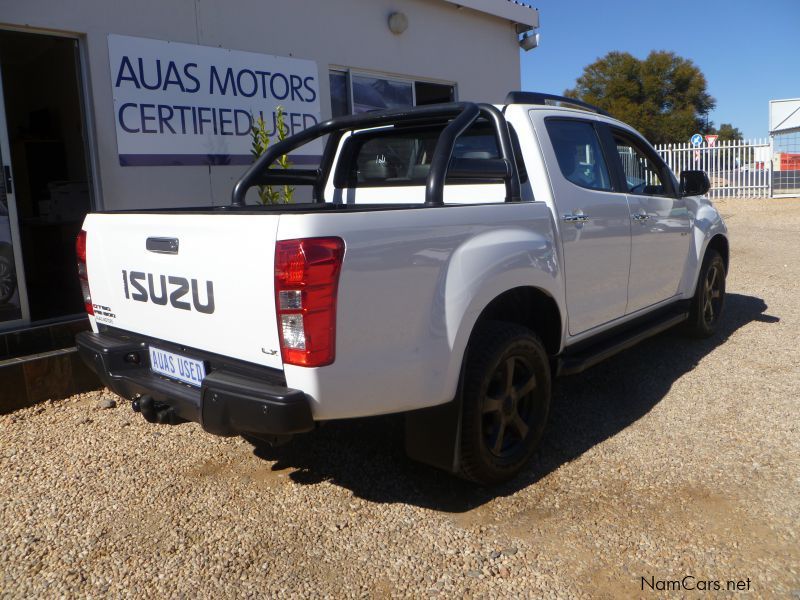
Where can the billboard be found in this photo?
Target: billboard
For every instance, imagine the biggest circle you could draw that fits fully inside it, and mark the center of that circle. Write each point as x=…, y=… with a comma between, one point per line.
x=184, y=104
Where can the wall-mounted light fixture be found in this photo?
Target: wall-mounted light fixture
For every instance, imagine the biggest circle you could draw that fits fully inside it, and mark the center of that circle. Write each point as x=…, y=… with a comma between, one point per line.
x=398, y=23
x=529, y=39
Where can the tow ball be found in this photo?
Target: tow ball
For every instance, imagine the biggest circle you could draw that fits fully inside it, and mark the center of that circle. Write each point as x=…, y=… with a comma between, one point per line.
x=156, y=412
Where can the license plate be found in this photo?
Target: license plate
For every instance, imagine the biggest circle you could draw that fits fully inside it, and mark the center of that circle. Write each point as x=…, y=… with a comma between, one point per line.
x=175, y=366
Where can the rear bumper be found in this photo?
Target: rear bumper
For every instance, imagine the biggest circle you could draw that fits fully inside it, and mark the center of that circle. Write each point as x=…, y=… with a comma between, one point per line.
x=228, y=403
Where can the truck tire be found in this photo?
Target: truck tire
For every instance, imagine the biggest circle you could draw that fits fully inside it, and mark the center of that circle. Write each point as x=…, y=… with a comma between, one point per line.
x=709, y=297
x=506, y=400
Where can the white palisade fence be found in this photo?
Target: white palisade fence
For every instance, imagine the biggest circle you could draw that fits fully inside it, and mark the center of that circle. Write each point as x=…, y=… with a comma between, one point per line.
x=740, y=168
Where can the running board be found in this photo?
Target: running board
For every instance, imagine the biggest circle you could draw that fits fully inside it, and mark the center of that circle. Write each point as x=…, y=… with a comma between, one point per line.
x=588, y=356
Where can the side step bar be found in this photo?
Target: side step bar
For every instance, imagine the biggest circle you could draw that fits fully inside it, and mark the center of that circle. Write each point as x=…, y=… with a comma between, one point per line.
x=571, y=363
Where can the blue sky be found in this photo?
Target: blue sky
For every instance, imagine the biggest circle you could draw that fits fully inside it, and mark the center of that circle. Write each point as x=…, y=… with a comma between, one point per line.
x=748, y=51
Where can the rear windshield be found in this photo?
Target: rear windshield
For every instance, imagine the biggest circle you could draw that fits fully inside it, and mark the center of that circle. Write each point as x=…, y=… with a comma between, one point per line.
x=402, y=157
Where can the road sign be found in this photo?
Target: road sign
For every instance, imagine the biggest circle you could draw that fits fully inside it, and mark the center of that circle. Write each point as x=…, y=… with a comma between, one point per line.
x=711, y=140
x=697, y=140
x=697, y=156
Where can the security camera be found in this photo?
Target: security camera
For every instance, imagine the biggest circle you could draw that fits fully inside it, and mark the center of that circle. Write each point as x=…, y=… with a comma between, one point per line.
x=529, y=41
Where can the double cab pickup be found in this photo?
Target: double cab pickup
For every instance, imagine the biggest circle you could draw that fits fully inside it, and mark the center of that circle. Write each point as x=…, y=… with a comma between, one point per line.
x=452, y=260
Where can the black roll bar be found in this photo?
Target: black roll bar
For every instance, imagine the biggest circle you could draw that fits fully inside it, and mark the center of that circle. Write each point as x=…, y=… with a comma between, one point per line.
x=463, y=115
x=497, y=118
x=440, y=161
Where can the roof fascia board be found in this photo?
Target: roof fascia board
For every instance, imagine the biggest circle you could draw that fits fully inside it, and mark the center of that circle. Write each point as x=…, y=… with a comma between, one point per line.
x=506, y=9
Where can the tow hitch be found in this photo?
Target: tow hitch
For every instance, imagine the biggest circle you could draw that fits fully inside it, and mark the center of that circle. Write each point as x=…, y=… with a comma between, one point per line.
x=156, y=412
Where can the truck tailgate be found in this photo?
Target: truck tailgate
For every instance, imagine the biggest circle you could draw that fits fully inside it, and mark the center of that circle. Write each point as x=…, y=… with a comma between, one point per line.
x=216, y=293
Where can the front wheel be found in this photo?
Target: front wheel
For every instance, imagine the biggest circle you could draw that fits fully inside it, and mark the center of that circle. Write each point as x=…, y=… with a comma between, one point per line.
x=709, y=297
x=506, y=400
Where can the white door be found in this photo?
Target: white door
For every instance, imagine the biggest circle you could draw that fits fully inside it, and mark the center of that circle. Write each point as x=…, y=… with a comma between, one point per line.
x=660, y=224
x=13, y=298
x=594, y=224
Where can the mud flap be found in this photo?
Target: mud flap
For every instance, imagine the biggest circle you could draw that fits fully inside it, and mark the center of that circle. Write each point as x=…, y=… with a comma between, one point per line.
x=433, y=435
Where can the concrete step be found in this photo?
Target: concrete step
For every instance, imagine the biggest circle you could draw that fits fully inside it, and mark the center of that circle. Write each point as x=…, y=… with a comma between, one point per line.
x=42, y=363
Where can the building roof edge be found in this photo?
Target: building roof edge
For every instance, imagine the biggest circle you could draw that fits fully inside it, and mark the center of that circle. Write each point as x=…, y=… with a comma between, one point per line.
x=513, y=10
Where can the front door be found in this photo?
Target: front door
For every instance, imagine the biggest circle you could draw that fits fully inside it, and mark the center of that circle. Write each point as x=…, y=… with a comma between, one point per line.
x=660, y=223
x=44, y=139
x=13, y=303
x=594, y=223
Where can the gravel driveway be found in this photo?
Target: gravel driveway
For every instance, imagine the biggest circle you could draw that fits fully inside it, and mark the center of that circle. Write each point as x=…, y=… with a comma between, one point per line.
x=678, y=458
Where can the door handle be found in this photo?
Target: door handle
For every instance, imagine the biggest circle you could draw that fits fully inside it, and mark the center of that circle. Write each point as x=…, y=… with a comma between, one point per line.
x=641, y=217
x=162, y=245
x=573, y=218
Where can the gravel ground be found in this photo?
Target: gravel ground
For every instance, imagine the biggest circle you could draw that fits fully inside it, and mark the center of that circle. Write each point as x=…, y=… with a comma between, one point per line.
x=677, y=458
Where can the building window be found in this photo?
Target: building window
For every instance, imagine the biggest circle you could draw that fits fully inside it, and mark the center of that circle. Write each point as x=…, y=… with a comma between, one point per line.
x=361, y=92
x=371, y=93
x=433, y=93
x=339, y=95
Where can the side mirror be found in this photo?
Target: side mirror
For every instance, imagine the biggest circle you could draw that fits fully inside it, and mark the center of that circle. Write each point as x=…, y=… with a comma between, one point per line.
x=694, y=183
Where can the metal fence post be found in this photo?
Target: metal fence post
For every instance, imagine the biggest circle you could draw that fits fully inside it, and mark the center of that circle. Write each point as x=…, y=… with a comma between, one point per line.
x=771, y=159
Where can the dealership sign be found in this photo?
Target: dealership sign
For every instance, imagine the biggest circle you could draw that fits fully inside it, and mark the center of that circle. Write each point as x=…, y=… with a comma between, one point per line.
x=183, y=104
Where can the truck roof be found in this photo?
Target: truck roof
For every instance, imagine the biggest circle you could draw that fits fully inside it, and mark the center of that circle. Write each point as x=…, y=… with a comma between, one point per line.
x=543, y=99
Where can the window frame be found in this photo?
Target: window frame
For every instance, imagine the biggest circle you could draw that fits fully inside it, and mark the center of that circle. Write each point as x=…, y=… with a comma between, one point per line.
x=601, y=143
x=638, y=142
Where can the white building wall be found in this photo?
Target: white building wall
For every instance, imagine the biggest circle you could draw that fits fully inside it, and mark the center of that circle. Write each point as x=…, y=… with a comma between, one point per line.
x=444, y=42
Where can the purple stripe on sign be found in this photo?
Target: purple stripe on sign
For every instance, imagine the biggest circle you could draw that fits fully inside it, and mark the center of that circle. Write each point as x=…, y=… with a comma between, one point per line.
x=183, y=160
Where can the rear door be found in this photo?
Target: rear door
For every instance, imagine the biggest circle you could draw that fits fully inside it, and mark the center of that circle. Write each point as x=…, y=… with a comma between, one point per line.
x=594, y=223
x=660, y=221
x=204, y=281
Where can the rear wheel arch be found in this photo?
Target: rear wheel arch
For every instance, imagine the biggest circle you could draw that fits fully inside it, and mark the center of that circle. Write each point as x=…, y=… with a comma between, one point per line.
x=530, y=307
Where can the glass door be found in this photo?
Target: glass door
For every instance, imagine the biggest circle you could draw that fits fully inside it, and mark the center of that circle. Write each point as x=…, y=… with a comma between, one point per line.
x=13, y=299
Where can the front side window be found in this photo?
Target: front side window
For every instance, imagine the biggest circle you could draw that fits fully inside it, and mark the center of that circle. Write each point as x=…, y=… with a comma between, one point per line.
x=579, y=155
x=642, y=175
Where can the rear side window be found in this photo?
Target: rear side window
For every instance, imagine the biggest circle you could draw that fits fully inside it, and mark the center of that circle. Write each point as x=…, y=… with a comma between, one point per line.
x=579, y=155
x=402, y=157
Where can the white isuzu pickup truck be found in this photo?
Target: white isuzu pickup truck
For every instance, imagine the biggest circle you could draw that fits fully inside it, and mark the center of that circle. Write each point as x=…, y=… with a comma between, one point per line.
x=454, y=259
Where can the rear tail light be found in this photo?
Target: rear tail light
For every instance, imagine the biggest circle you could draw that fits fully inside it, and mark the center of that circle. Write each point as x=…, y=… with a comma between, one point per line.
x=306, y=285
x=83, y=273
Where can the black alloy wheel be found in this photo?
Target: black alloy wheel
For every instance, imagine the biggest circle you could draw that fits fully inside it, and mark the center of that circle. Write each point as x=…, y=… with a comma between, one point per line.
x=708, y=302
x=507, y=406
x=506, y=400
x=713, y=291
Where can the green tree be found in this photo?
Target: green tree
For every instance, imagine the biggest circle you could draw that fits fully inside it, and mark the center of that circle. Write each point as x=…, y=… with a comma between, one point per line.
x=728, y=133
x=663, y=96
x=259, y=142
